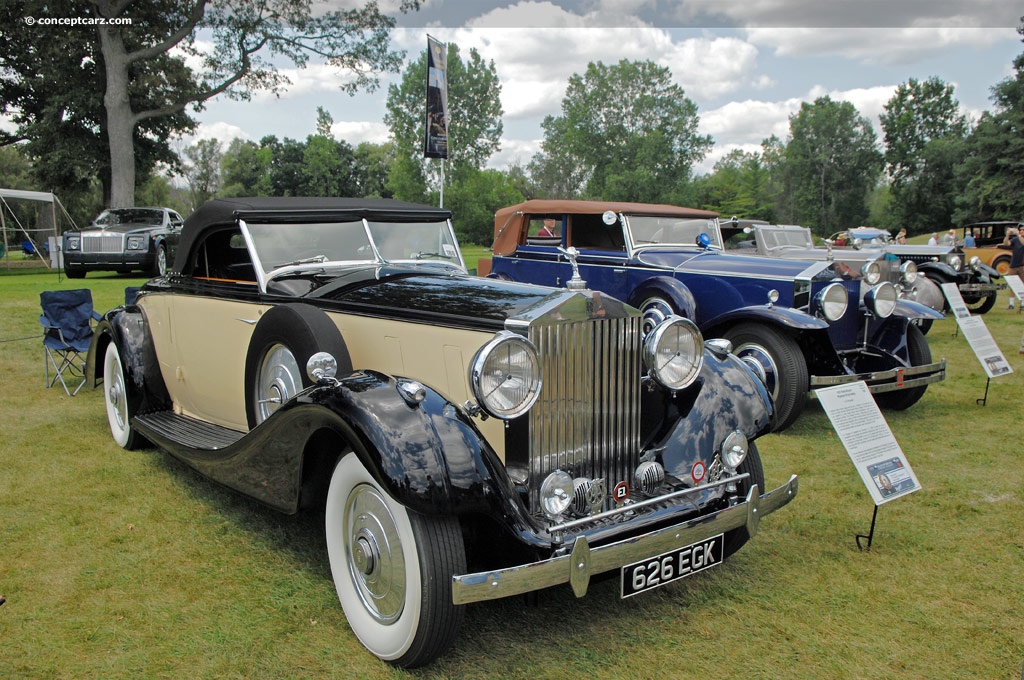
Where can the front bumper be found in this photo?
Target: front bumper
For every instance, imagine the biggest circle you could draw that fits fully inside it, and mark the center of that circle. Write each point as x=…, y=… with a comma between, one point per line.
x=577, y=567
x=889, y=380
x=981, y=287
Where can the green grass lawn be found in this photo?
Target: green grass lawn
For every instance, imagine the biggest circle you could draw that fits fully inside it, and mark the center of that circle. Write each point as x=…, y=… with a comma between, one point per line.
x=128, y=564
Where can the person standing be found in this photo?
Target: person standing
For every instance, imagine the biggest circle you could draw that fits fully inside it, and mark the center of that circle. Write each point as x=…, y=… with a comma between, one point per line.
x=1015, y=240
x=934, y=239
x=969, y=239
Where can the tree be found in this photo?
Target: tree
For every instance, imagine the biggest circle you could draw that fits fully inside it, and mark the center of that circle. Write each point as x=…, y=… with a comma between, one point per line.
x=626, y=132
x=245, y=169
x=922, y=126
x=992, y=170
x=739, y=185
x=833, y=163
x=202, y=170
x=474, y=123
x=147, y=89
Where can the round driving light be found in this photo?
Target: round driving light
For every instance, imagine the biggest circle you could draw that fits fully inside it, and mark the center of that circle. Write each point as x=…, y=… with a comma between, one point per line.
x=975, y=263
x=556, y=493
x=908, y=272
x=773, y=296
x=872, y=272
x=674, y=352
x=956, y=262
x=321, y=366
x=881, y=300
x=832, y=301
x=734, y=449
x=505, y=375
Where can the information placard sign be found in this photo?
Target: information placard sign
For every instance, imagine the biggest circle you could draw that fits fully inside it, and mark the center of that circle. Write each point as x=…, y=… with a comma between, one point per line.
x=1016, y=285
x=868, y=440
x=977, y=334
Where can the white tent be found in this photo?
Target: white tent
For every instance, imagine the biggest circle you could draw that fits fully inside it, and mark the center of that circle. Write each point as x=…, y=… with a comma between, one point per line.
x=35, y=234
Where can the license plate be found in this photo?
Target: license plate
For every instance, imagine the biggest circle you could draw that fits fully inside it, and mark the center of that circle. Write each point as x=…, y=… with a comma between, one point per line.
x=671, y=566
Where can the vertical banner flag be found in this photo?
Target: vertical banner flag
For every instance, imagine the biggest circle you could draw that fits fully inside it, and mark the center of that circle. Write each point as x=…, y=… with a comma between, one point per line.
x=435, y=142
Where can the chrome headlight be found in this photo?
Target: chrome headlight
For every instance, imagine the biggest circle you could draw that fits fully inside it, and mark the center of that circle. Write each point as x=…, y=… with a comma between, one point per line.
x=734, y=449
x=674, y=352
x=908, y=272
x=956, y=262
x=974, y=263
x=136, y=242
x=73, y=242
x=881, y=300
x=832, y=301
x=872, y=272
x=505, y=376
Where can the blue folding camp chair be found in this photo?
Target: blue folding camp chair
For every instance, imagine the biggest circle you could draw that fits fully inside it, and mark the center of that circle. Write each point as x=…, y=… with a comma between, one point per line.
x=67, y=331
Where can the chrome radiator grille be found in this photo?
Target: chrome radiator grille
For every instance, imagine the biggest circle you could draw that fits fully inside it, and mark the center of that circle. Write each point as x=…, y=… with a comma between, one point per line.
x=103, y=244
x=586, y=421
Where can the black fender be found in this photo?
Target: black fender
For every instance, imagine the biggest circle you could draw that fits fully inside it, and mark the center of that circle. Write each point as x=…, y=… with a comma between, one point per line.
x=786, y=318
x=426, y=453
x=939, y=272
x=986, y=270
x=128, y=328
x=726, y=397
x=672, y=290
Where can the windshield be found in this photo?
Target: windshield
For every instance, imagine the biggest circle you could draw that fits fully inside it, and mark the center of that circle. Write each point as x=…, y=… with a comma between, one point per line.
x=647, y=230
x=132, y=216
x=785, y=238
x=280, y=245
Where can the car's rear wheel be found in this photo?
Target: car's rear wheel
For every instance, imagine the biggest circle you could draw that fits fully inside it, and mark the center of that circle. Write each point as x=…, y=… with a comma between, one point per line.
x=778, y=361
x=980, y=305
x=392, y=568
x=735, y=539
x=121, y=406
x=1002, y=265
x=920, y=354
x=275, y=365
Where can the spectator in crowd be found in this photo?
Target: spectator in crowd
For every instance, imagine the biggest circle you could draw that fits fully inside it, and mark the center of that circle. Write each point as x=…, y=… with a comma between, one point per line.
x=1015, y=240
x=934, y=239
x=969, y=239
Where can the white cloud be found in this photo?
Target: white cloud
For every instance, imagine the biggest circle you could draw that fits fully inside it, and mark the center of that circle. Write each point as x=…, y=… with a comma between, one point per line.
x=357, y=132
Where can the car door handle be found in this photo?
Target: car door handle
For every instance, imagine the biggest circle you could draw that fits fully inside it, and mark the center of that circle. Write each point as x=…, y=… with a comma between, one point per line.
x=618, y=270
x=251, y=322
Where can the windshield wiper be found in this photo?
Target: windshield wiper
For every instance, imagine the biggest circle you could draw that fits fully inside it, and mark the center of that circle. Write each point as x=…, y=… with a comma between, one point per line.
x=316, y=259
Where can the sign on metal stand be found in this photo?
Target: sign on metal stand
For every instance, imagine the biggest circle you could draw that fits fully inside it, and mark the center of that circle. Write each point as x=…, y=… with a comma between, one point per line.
x=978, y=337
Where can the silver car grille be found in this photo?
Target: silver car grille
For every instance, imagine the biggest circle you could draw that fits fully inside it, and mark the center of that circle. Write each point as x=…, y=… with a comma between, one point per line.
x=586, y=420
x=103, y=244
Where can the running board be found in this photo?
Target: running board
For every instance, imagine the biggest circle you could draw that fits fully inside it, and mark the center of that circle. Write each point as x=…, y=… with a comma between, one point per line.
x=186, y=431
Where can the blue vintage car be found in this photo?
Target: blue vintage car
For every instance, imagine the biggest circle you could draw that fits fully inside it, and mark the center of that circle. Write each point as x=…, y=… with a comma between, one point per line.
x=800, y=325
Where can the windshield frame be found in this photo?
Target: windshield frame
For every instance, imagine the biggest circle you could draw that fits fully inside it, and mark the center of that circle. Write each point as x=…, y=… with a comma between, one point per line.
x=258, y=250
x=634, y=220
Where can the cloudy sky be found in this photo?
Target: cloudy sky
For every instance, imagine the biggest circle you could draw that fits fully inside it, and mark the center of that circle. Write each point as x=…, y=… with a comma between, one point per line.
x=747, y=66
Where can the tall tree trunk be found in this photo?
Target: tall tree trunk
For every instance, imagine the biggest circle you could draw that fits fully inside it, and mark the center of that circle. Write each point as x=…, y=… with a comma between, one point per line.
x=120, y=119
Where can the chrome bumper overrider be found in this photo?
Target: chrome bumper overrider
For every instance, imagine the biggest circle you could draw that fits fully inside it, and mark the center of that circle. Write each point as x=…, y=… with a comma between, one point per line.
x=584, y=561
x=889, y=380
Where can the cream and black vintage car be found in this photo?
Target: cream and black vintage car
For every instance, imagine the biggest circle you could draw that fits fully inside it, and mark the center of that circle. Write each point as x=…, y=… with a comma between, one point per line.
x=468, y=439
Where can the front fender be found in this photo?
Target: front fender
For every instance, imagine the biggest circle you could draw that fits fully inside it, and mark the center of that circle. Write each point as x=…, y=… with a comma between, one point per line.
x=940, y=272
x=427, y=454
x=915, y=310
x=787, y=317
x=729, y=398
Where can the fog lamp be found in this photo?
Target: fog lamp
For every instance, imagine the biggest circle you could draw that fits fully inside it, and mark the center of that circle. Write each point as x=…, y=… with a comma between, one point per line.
x=649, y=477
x=975, y=263
x=734, y=449
x=556, y=493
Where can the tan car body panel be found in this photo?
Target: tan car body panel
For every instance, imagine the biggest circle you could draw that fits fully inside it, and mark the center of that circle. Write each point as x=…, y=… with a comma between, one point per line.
x=202, y=355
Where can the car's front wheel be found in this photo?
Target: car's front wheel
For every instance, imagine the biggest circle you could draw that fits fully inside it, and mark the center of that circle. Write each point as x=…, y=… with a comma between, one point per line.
x=73, y=272
x=275, y=365
x=392, y=568
x=121, y=406
x=920, y=354
x=160, y=261
x=776, y=358
x=737, y=538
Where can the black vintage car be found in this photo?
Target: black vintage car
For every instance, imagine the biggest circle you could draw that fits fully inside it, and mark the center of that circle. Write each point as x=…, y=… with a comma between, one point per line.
x=468, y=439
x=123, y=240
